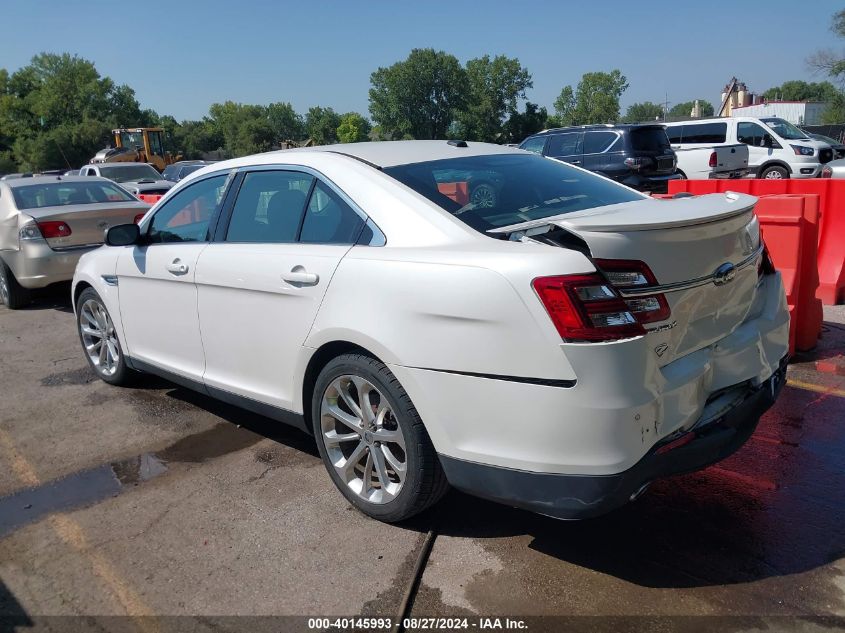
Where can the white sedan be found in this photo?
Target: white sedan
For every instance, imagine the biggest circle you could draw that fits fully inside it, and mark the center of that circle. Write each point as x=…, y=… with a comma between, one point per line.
x=555, y=344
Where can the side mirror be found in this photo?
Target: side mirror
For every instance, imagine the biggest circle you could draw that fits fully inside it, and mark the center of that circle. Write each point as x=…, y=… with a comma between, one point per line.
x=123, y=235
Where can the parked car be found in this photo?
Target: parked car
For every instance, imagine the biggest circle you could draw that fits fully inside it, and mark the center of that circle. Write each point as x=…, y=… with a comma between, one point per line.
x=177, y=171
x=699, y=158
x=834, y=169
x=556, y=351
x=635, y=155
x=136, y=178
x=48, y=222
x=837, y=146
x=776, y=148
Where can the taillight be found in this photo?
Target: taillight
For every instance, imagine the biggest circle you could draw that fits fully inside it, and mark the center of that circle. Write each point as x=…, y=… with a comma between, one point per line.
x=712, y=159
x=138, y=218
x=54, y=229
x=827, y=172
x=638, y=163
x=631, y=275
x=586, y=308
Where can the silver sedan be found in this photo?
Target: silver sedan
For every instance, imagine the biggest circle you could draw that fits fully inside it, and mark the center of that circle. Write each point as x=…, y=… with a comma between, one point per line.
x=48, y=222
x=834, y=169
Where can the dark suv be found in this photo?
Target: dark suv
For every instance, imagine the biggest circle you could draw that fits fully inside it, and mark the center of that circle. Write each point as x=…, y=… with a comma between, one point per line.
x=635, y=155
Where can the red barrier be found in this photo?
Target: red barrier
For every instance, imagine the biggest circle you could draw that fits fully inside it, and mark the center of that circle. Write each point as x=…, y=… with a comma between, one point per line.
x=790, y=228
x=831, y=245
x=149, y=198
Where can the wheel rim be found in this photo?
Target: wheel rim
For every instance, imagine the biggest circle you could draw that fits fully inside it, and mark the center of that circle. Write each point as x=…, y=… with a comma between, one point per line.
x=774, y=175
x=4, y=288
x=483, y=197
x=99, y=337
x=363, y=439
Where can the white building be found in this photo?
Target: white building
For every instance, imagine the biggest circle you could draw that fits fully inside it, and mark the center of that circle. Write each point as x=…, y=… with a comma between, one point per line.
x=796, y=112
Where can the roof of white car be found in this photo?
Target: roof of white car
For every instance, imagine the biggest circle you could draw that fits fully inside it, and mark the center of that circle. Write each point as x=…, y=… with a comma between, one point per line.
x=392, y=153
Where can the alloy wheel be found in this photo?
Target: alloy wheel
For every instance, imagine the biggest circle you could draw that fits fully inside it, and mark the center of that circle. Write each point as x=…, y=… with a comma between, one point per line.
x=774, y=175
x=363, y=439
x=483, y=197
x=99, y=337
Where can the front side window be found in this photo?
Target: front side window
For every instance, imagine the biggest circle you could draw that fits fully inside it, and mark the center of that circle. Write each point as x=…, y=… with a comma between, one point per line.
x=519, y=188
x=269, y=207
x=329, y=220
x=751, y=134
x=57, y=194
x=186, y=215
x=565, y=144
x=132, y=140
x=535, y=144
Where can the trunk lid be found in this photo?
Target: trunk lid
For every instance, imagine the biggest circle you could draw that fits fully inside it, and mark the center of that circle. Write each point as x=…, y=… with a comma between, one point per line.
x=87, y=222
x=684, y=242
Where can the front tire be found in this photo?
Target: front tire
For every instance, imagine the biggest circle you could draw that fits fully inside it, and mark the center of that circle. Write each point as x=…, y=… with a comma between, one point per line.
x=775, y=172
x=99, y=339
x=12, y=294
x=372, y=440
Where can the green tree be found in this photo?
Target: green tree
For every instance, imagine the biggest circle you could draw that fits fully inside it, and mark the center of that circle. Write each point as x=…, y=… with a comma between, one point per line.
x=353, y=128
x=798, y=90
x=642, y=112
x=595, y=100
x=683, y=110
x=493, y=88
x=286, y=123
x=420, y=96
x=321, y=125
x=828, y=61
x=523, y=124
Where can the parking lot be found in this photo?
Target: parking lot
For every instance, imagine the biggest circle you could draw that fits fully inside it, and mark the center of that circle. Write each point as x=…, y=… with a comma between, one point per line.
x=156, y=500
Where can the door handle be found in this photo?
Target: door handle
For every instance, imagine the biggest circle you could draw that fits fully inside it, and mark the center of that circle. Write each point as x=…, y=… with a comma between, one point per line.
x=176, y=267
x=575, y=162
x=298, y=275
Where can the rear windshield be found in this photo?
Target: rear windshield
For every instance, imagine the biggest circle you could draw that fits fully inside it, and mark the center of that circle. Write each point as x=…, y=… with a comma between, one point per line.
x=649, y=139
x=489, y=192
x=127, y=174
x=57, y=194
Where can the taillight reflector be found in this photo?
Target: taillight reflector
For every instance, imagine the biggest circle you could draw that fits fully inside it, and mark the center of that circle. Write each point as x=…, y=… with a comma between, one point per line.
x=712, y=159
x=54, y=229
x=586, y=308
x=139, y=217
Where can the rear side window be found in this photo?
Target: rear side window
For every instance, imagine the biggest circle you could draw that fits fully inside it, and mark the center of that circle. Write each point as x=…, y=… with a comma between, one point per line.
x=185, y=216
x=58, y=194
x=269, y=207
x=565, y=144
x=535, y=144
x=649, y=139
x=701, y=133
x=488, y=192
x=598, y=142
x=329, y=220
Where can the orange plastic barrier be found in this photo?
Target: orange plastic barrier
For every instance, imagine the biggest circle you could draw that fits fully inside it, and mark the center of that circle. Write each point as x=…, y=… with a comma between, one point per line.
x=149, y=198
x=790, y=229
x=457, y=191
x=831, y=244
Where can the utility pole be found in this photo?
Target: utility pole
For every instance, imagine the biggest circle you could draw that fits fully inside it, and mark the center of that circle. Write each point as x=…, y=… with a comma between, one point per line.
x=665, y=106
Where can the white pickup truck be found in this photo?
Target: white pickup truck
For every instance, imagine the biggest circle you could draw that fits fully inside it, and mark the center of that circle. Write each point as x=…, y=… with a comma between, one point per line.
x=702, y=152
x=722, y=161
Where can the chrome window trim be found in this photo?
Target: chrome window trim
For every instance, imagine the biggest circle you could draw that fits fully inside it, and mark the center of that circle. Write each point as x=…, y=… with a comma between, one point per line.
x=690, y=284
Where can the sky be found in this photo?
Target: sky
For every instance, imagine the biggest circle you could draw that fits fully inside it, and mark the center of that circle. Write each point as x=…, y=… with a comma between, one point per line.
x=180, y=57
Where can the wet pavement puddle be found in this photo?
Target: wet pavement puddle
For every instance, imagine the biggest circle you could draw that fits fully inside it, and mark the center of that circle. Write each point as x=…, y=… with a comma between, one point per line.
x=87, y=487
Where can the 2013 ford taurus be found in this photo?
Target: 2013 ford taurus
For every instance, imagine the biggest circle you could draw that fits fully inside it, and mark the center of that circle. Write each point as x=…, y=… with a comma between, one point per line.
x=556, y=346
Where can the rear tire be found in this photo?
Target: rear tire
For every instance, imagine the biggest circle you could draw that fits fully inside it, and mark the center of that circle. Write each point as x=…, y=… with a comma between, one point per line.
x=99, y=340
x=12, y=294
x=775, y=172
x=378, y=455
